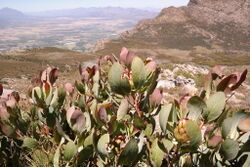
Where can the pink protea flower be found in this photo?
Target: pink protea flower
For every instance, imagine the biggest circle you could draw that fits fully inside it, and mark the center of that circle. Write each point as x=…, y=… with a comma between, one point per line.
x=126, y=57
x=156, y=97
x=69, y=88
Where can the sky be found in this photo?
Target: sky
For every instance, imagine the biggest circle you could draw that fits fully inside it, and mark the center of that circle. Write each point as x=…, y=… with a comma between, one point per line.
x=42, y=5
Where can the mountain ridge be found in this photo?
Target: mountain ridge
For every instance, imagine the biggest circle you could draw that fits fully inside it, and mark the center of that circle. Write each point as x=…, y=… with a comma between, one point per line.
x=205, y=23
x=105, y=12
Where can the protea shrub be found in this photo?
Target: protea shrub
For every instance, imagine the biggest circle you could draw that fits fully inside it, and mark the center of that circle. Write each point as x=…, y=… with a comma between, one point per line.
x=114, y=115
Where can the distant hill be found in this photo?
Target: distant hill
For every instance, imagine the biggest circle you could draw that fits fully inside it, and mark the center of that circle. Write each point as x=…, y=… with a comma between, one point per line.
x=103, y=12
x=8, y=13
x=206, y=23
x=10, y=16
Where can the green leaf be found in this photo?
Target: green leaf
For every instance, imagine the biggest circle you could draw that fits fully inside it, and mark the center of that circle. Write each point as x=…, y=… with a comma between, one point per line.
x=226, y=127
x=229, y=149
x=164, y=115
x=194, y=132
x=167, y=144
x=85, y=154
x=37, y=95
x=29, y=142
x=149, y=130
x=123, y=109
x=195, y=106
x=70, y=150
x=102, y=145
x=138, y=72
x=215, y=105
x=80, y=87
x=89, y=139
x=138, y=122
x=129, y=154
x=118, y=83
x=40, y=158
x=229, y=125
x=156, y=154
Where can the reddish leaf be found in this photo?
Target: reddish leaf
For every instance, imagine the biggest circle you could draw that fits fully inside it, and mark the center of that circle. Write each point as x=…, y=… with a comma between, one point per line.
x=214, y=141
x=47, y=88
x=11, y=102
x=241, y=79
x=53, y=75
x=225, y=82
x=4, y=115
x=16, y=96
x=102, y=115
x=151, y=65
x=126, y=56
x=232, y=81
x=49, y=75
x=76, y=119
x=156, y=97
x=216, y=72
x=88, y=72
x=1, y=89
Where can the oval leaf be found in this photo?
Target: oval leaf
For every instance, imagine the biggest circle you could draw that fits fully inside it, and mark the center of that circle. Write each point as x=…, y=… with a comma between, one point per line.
x=229, y=149
x=123, y=109
x=215, y=105
x=138, y=72
x=70, y=150
x=118, y=83
x=226, y=127
x=129, y=154
x=194, y=132
x=195, y=107
x=29, y=143
x=163, y=116
x=156, y=154
x=76, y=119
x=102, y=145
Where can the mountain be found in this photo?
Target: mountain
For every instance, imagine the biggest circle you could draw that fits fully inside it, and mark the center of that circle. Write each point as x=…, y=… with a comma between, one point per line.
x=207, y=23
x=103, y=12
x=10, y=17
x=8, y=13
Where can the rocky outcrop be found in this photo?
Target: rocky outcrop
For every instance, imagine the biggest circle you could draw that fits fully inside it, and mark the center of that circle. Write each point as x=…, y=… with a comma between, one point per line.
x=201, y=23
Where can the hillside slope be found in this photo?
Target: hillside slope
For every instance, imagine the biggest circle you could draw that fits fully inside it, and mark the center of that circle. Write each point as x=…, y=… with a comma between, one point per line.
x=210, y=24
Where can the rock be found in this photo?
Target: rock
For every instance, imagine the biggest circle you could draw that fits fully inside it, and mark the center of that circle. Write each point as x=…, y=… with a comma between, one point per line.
x=170, y=79
x=165, y=84
x=190, y=69
x=181, y=81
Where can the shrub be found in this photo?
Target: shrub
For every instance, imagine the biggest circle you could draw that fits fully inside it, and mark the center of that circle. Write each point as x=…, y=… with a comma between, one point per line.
x=115, y=117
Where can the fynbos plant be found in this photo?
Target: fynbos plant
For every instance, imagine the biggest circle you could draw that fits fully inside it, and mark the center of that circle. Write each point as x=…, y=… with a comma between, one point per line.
x=114, y=116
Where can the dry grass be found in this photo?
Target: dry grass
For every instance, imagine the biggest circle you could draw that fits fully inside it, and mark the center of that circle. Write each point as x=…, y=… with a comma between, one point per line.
x=32, y=61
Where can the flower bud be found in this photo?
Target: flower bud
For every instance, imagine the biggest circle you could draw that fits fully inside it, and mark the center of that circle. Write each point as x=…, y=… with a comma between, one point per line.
x=126, y=56
x=69, y=88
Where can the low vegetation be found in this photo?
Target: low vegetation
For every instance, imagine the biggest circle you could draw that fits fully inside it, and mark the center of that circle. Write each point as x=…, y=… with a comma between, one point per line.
x=114, y=116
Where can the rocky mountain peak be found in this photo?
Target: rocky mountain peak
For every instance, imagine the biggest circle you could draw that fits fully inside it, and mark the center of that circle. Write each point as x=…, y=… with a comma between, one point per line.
x=236, y=11
x=225, y=23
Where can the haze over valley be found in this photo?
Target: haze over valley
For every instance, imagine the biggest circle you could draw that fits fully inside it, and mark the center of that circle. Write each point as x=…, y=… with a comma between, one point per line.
x=75, y=29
